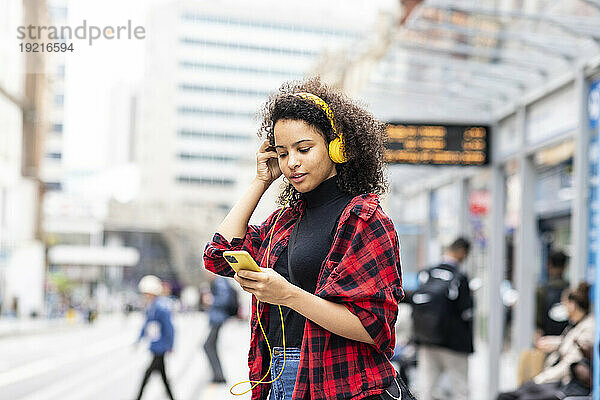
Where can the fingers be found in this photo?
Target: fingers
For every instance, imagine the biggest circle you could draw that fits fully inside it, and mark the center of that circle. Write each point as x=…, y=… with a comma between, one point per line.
x=248, y=285
x=263, y=146
x=250, y=275
x=245, y=282
x=266, y=148
x=266, y=155
x=251, y=281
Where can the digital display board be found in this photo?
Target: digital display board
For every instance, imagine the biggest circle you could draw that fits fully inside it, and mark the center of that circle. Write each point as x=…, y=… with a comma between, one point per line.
x=431, y=144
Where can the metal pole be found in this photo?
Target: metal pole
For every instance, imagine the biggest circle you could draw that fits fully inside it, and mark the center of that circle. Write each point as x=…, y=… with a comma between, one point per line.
x=526, y=242
x=594, y=115
x=463, y=222
x=580, y=185
x=431, y=209
x=495, y=315
x=596, y=385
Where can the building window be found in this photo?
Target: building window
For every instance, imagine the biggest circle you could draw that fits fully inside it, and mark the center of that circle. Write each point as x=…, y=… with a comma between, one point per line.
x=245, y=46
x=52, y=186
x=207, y=157
x=59, y=99
x=224, y=206
x=58, y=128
x=58, y=12
x=222, y=90
x=54, y=155
x=237, y=137
x=267, y=25
x=213, y=181
x=214, y=112
x=60, y=70
x=240, y=69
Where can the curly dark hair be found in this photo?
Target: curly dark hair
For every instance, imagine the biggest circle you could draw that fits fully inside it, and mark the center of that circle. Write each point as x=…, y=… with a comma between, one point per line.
x=364, y=136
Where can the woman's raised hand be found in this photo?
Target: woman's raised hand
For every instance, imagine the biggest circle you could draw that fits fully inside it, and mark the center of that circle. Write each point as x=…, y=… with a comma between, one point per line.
x=267, y=166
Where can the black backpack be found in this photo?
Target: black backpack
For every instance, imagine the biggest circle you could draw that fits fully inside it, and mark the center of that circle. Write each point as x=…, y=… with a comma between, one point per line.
x=432, y=305
x=554, y=323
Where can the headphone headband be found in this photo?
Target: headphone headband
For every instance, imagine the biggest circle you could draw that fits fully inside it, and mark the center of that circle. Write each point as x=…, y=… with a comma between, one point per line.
x=319, y=102
x=336, y=146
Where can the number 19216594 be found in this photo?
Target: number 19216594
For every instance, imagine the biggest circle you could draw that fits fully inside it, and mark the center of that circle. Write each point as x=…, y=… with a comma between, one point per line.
x=46, y=47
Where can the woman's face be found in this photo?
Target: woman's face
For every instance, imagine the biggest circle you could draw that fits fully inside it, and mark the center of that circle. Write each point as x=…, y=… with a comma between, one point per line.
x=570, y=305
x=303, y=155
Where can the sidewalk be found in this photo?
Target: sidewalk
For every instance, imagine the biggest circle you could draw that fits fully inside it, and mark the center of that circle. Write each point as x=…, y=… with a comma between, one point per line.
x=478, y=375
x=478, y=372
x=233, y=347
x=10, y=326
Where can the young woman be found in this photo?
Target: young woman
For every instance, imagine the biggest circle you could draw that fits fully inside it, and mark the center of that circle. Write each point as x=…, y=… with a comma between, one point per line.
x=330, y=260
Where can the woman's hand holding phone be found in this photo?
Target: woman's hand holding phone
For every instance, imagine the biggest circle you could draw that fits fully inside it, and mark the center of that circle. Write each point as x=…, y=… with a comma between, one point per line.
x=267, y=166
x=268, y=286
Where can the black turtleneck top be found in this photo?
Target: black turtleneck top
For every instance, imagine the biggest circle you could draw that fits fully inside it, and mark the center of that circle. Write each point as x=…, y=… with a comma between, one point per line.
x=309, y=244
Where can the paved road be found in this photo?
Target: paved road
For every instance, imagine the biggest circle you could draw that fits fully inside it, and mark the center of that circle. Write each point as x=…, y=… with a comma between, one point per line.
x=100, y=362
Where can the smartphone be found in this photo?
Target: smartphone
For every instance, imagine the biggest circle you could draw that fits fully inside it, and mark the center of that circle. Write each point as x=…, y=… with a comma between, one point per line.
x=241, y=260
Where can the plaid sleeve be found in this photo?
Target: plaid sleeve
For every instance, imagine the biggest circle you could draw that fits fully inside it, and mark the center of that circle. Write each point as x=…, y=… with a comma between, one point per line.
x=251, y=242
x=367, y=279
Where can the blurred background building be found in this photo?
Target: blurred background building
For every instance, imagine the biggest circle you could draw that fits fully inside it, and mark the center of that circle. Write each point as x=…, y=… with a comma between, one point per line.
x=52, y=170
x=21, y=106
x=204, y=83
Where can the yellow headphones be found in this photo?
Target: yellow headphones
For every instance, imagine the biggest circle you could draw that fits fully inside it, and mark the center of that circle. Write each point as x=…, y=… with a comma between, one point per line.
x=256, y=383
x=336, y=146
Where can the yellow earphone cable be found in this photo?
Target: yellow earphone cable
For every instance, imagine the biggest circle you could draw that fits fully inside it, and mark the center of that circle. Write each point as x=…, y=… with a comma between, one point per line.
x=256, y=383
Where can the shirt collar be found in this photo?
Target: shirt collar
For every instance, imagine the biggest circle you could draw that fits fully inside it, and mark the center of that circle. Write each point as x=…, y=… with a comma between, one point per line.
x=326, y=191
x=362, y=205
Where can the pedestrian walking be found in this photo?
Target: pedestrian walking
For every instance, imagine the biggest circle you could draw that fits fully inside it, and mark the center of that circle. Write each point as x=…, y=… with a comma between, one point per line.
x=330, y=261
x=443, y=323
x=158, y=328
x=224, y=305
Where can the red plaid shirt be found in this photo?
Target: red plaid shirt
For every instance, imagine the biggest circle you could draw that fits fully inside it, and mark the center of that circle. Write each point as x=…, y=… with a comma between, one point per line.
x=361, y=271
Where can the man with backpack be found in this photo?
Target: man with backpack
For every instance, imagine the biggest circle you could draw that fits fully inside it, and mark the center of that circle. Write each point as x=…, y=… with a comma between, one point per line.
x=443, y=323
x=548, y=319
x=224, y=305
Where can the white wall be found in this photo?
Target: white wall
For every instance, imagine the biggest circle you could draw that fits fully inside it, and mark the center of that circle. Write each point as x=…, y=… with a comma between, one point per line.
x=25, y=278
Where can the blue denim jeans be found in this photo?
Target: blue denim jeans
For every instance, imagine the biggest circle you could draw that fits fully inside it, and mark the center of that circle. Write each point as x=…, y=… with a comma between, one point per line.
x=283, y=387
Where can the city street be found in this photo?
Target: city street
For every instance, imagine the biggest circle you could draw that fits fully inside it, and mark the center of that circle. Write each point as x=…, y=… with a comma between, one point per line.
x=101, y=362
x=447, y=149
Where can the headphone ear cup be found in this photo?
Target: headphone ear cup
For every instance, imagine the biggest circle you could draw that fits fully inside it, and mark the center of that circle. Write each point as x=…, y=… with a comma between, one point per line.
x=336, y=151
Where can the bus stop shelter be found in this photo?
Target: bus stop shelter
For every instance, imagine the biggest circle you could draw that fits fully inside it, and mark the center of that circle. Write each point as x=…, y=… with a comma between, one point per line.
x=526, y=69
